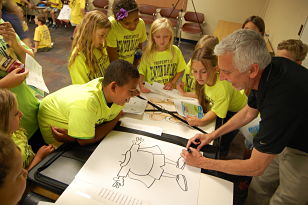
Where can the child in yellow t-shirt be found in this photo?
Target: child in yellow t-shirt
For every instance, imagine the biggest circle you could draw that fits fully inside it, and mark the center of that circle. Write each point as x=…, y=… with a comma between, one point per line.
x=187, y=86
x=42, y=39
x=54, y=6
x=13, y=176
x=9, y=124
x=218, y=98
x=78, y=10
x=127, y=31
x=162, y=62
x=89, y=57
x=86, y=113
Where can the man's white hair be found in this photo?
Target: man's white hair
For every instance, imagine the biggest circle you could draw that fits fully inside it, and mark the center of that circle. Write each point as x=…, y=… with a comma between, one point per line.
x=247, y=46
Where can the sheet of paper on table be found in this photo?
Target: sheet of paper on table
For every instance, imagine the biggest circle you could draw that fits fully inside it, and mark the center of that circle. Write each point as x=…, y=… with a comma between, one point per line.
x=159, y=88
x=135, y=106
x=142, y=167
x=35, y=76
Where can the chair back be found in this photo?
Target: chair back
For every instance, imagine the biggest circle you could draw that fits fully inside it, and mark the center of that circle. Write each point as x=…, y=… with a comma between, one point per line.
x=147, y=9
x=169, y=12
x=101, y=3
x=194, y=17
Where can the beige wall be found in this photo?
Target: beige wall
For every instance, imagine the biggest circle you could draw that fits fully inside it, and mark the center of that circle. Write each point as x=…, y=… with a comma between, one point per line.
x=283, y=19
x=229, y=10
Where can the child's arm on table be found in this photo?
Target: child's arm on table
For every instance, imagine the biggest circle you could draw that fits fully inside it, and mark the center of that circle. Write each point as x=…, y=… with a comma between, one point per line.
x=208, y=118
x=171, y=84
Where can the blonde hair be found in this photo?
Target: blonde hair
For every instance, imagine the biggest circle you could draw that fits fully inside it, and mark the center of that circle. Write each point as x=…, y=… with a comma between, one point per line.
x=158, y=24
x=206, y=56
x=296, y=48
x=84, y=38
x=7, y=103
x=209, y=41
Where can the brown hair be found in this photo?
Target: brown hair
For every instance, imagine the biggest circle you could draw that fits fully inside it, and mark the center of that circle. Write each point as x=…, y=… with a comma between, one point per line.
x=7, y=149
x=41, y=18
x=296, y=48
x=258, y=21
x=7, y=103
x=208, y=41
x=206, y=56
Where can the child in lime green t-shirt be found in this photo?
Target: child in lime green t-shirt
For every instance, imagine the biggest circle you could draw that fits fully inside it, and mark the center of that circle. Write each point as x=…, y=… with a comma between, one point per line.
x=89, y=57
x=162, y=62
x=13, y=177
x=127, y=32
x=215, y=96
x=187, y=86
x=86, y=113
x=9, y=125
x=218, y=98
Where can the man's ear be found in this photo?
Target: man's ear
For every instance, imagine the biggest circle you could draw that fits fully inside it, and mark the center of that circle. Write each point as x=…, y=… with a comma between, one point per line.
x=254, y=70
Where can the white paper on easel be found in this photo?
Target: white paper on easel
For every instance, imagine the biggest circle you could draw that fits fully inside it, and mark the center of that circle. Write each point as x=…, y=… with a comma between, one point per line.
x=135, y=106
x=35, y=76
x=144, y=168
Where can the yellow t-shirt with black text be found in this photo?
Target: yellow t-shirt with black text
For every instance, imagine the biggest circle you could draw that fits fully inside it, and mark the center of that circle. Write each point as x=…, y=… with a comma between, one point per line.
x=126, y=41
x=188, y=79
x=77, y=108
x=224, y=97
x=80, y=72
x=162, y=66
x=59, y=2
x=42, y=35
x=76, y=14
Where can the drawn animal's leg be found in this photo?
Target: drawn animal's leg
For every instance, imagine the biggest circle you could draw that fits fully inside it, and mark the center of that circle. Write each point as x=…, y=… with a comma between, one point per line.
x=180, y=179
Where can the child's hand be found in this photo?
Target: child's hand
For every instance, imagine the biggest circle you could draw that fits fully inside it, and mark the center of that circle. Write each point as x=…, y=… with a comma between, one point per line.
x=8, y=33
x=13, y=79
x=144, y=89
x=194, y=121
x=180, y=88
x=61, y=135
x=44, y=151
x=168, y=86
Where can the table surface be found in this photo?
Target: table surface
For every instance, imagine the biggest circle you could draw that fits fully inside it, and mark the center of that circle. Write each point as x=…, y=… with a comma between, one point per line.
x=211, y=188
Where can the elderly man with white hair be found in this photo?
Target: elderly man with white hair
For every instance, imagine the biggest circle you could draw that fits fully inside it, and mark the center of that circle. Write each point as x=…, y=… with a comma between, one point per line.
x=279, y=160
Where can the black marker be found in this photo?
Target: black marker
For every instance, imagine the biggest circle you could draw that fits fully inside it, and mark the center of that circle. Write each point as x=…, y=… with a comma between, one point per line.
x=188, y=150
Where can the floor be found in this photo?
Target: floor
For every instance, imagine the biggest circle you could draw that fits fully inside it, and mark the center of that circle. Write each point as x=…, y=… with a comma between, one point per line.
x=56, y=75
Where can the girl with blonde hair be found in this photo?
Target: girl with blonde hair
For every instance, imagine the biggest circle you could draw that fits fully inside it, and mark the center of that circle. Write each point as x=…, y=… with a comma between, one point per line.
x=9, y=125
x=187, y=86
x=89, y=57
x=161, y=62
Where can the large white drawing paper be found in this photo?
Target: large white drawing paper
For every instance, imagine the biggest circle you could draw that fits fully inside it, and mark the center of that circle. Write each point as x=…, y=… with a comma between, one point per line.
x=80, y=192
x=135, y=106
x=35, y=76
x=144, y=168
